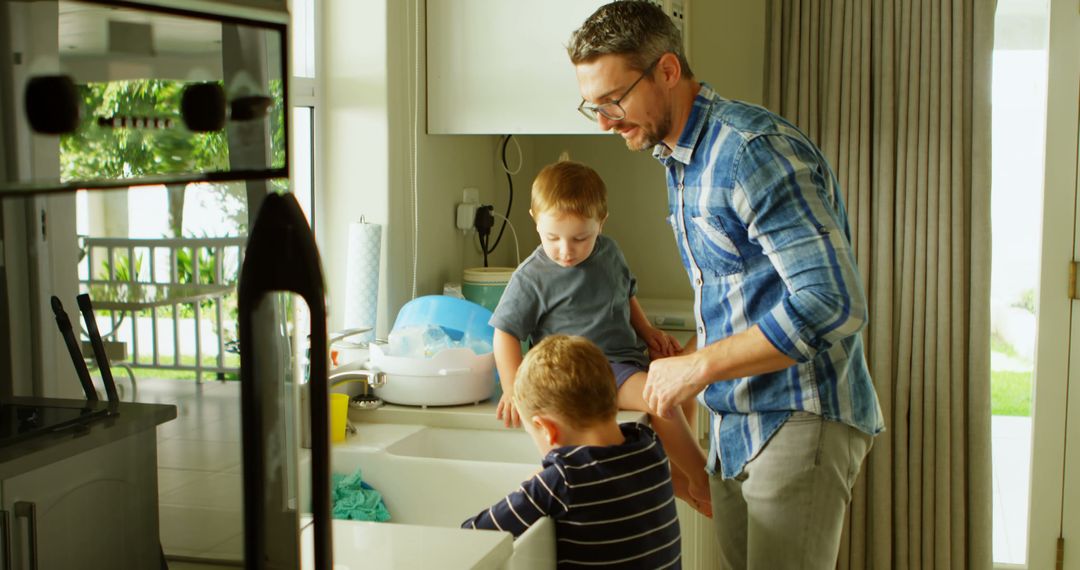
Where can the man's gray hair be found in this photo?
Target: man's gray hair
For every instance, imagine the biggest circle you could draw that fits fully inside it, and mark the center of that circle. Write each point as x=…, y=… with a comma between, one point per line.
x=636, y=29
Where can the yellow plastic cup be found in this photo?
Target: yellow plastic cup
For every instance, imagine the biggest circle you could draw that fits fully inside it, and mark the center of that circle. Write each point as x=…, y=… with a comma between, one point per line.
x=339, y=414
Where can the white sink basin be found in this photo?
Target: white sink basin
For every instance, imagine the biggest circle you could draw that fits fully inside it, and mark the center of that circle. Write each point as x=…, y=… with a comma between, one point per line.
x=499, y=445
x=434, y=492
x=423, y=489
x=378, y=546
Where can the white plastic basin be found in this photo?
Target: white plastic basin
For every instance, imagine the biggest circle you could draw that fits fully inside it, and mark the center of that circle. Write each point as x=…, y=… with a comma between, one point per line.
x=451, y=377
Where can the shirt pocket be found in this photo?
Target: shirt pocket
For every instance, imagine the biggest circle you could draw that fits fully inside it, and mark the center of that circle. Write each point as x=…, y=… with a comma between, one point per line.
x=712, y=248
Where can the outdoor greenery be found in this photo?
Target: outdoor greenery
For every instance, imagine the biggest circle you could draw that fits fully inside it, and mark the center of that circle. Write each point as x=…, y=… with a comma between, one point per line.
x=231, y=360
x=98, y=152
x=1010, y=391
x=999, y=344
x=1026, y=301
x=122, y=270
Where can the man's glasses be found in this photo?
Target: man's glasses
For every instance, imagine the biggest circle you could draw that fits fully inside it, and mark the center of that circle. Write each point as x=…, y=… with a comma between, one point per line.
x=612, y=110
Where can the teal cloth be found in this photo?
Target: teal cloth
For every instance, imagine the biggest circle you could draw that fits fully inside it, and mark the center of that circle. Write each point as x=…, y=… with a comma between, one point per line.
x=353, y=499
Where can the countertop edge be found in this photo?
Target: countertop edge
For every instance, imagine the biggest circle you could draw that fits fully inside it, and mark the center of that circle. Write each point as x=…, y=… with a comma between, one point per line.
x=35, y=452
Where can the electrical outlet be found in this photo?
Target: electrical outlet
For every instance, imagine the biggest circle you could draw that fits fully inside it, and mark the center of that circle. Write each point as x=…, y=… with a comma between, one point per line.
x=470, y=195
x=465, y=213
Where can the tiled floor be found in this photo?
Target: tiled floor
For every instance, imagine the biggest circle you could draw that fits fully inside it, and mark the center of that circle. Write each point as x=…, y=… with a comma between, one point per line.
x=199, y=470
x=1012, y=478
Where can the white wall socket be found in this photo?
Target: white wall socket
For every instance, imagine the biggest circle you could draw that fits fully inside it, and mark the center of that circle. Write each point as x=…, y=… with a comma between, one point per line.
x=465, y=214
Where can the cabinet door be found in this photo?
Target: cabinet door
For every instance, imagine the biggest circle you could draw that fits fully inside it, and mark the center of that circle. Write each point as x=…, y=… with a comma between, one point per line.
x=500, y=67
x=97, y=509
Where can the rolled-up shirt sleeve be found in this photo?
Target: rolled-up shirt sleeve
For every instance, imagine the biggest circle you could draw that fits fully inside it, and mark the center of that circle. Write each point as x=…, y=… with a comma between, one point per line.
x=784, y=195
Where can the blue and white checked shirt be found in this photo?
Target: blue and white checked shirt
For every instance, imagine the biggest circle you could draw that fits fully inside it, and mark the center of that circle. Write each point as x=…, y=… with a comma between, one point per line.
x=764, y=236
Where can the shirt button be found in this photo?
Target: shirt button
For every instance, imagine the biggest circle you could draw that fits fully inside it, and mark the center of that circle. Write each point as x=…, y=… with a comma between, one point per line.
x=680, y=186
x=698, y=281
x=701, y=330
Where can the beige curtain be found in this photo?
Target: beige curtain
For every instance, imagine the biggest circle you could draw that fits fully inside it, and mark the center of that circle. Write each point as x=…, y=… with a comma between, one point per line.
x=897, y=94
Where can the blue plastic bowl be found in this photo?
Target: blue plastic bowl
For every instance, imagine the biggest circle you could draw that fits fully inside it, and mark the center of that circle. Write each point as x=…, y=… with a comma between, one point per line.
x=457, y=317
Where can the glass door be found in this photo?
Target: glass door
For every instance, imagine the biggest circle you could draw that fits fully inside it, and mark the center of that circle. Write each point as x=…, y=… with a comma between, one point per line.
x=1018, y=135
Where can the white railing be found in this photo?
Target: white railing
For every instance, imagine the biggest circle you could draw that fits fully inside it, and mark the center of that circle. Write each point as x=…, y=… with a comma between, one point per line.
x=147, y=284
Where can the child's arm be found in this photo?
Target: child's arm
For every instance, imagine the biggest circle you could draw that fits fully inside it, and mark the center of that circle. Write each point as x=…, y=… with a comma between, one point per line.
x=660, y=343
x=522, y=508
x=507, y=348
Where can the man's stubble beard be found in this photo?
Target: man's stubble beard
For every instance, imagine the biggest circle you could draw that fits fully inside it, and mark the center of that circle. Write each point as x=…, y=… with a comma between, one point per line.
x=652, y=137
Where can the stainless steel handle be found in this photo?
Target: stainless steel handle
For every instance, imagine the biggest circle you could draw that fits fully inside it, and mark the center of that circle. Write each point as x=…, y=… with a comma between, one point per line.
x=339, y=337
x=5, y=518
x=28, y=511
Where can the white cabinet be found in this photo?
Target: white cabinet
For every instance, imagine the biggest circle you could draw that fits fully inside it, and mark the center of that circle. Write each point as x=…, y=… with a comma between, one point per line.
x=500, y=67
x=93, y=510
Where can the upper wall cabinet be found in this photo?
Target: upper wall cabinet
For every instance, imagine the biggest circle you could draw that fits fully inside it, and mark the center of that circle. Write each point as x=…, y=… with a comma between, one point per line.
x=500, y=66
x=99, y=94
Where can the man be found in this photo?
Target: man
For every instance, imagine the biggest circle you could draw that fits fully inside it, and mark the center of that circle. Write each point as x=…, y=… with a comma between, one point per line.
x=761, y=228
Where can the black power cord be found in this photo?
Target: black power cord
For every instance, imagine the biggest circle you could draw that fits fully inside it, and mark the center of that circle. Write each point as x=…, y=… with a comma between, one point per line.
x=483, y=222
x=484, y=232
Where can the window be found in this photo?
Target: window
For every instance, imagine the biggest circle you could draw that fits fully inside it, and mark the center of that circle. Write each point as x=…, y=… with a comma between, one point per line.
x=1018, y=129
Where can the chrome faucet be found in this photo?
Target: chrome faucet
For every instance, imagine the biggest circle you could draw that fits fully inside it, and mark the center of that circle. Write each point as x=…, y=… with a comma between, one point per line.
x=367, y=400
x=346, y=374
x=371, y=379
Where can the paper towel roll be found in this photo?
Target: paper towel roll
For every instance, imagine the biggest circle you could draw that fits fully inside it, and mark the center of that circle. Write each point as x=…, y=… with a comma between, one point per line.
x=362, y=278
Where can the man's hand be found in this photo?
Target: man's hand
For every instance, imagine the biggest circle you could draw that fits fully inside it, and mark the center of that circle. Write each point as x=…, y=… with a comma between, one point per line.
x=507, y=412
x=673, y=381
x=660, y=344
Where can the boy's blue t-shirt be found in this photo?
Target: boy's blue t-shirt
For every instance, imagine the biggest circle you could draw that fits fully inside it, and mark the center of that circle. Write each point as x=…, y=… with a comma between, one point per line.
x=590, y=299
x=613, y=506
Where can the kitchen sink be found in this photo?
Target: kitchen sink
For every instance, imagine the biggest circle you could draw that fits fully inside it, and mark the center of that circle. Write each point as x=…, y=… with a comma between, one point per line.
x=437, y=492
x=494, y=445
x=435, y=478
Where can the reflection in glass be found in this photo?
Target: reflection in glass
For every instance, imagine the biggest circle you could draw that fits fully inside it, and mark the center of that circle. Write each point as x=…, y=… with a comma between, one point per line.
x=131, y=68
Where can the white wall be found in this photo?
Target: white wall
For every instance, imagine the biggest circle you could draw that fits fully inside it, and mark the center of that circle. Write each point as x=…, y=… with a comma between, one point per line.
x=364, y=143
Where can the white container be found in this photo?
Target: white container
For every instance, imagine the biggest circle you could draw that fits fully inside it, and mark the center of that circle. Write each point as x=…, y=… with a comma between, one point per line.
x=452, y=377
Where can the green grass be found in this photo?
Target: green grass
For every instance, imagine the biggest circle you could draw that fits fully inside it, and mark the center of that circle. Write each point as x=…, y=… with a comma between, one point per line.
x=145, y=372
x=1010, y=390
x=1010, y=393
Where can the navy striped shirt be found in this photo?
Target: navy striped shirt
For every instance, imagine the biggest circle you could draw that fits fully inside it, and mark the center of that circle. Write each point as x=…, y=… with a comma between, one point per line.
x=763, y=233
x=613, y=506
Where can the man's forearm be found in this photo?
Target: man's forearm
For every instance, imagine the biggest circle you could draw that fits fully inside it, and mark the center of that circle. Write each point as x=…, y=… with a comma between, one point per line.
x=747, y=353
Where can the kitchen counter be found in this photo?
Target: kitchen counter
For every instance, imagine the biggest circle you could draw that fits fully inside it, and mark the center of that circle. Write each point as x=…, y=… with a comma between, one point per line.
x=469, y=416
x=381, y=546
x=47, y=448
x=67, y=462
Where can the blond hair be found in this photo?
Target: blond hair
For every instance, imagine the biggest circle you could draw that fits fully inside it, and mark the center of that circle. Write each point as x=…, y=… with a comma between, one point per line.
x=569, y=187
x=567, y=376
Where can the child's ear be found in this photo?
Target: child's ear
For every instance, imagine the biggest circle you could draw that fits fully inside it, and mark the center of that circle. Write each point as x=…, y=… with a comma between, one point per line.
x=549, y=427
